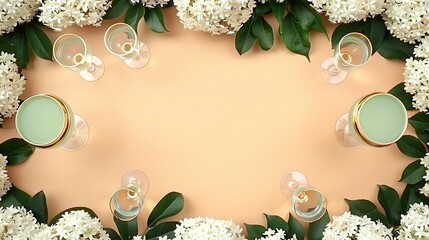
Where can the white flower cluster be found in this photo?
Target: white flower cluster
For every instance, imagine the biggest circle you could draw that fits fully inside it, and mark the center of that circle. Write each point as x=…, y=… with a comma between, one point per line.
x=60, y=14
x=278, y=234
x=5, y=183
x=425, y=162
x=407, y=20
x=150, y=3
x=416, y=76
x=17, y=223
x=415, y=224
x=214, y=16
x=345, y=11
x=11, y=85
x=14, y=12
x=208, y=229
x=349, y=226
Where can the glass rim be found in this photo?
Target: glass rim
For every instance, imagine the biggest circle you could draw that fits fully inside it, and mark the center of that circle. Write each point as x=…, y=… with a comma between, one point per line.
x=358, y=34
x=136, y=37
x=85, y=45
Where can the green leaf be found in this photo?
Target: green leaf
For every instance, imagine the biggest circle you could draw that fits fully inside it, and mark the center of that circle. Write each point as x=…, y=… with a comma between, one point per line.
x=261, y=9
x=59, y=215
x=295, y=38
x=263, y=32
x=15, y=197
x=279, y=11
x=254, y=231
x=393, y=48
x=6, y=45
x=133, y=15
x=39, y=207
x=375, y=30
x=295, y=228
x=307, y=16
x=155, y=19
x=364, y=207
x=411, y=146
x=413, y=173
x=170, y=205
x=411, y=194
x=345, y=28
x=119, y=7
x=127, y=229
x=420, y=120
x=39, y=41
x=315, y=231
x=162, y=229
x=244, y=39
x=276, y=222
x=22, y=49
x=406, y=98
x=16, y=150
x=112, y=234
x=391, y=203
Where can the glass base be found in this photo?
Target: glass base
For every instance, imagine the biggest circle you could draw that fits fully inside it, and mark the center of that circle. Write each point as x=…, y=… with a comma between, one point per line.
x=79, y=136
x=291, y=181
x=330, y=73
x=141, y=60
x=95, y=70
x=343, y=133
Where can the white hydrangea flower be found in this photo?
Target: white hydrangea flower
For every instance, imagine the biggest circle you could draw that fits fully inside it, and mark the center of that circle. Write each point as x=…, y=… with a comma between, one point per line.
x=208, y=229
x=5, y=183
x=415, y=224
x=79, y=225
x=17, y=223
x=407, y=20
x=345, y=11
x=277, y=234
x=214, y=16
x=151, y=3
x=425, y=162
x=14, y=12
x=349, y=226
x=44, y=232
x=11, y=85
x=60, y=14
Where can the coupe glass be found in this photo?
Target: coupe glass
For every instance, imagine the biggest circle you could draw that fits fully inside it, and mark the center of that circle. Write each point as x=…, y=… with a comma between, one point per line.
x=72, y=52
x=308, y=203
x=127, y=201
x=122, y=41
x=376, y=119
x=45, y=120
x=353, y=51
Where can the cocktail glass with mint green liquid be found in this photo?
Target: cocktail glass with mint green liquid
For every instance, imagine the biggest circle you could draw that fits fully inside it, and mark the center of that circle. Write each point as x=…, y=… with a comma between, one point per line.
x=45, y=120
x=377, y=119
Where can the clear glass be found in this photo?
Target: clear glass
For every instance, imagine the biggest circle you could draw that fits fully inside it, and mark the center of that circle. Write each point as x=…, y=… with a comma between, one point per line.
x=78, y=136
x=127, y=201
x=308, y=203
x=353, y=51
x=344, y=133
x=72, y=52
x=122, y=41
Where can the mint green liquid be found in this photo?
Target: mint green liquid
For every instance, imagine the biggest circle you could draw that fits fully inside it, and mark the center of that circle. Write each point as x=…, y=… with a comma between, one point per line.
x=383, y=119
x=40, y=120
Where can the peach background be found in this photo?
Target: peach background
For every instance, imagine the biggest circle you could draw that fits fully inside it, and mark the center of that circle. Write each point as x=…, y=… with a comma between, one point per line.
x=218, y=127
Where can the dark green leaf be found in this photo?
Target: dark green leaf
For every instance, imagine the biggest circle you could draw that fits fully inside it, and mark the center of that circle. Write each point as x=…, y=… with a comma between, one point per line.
x=295, y=228
x=59, y=215
x=375, y=30
x=112, y=234
x=39, y=207
x=393, y=48
x=170, y=205
x=420, y=121
x=295, y=38
x=389, y=200
x=345, y=28
x=16, y=150
x=119, y=7
x=155, y=19
x=279, y=11
x=276, y=222
x=162, y=229
x=411, y=194
x=244, y=39
x=133, y=15
x=6, y=45
x=364, y=207
x=15, y=197
x=406, y=98
x=22, y=50
x=254, y=231
x=315, y=231
x=128, y=229
x=413, y=173
x=39, y=41
x=261, y=9
x=263, y=32
x=307, y=16
x=411, y=146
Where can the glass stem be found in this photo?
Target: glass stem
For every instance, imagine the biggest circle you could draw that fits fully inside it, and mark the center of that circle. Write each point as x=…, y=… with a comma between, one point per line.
x=333, y=70
x=91, y=68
